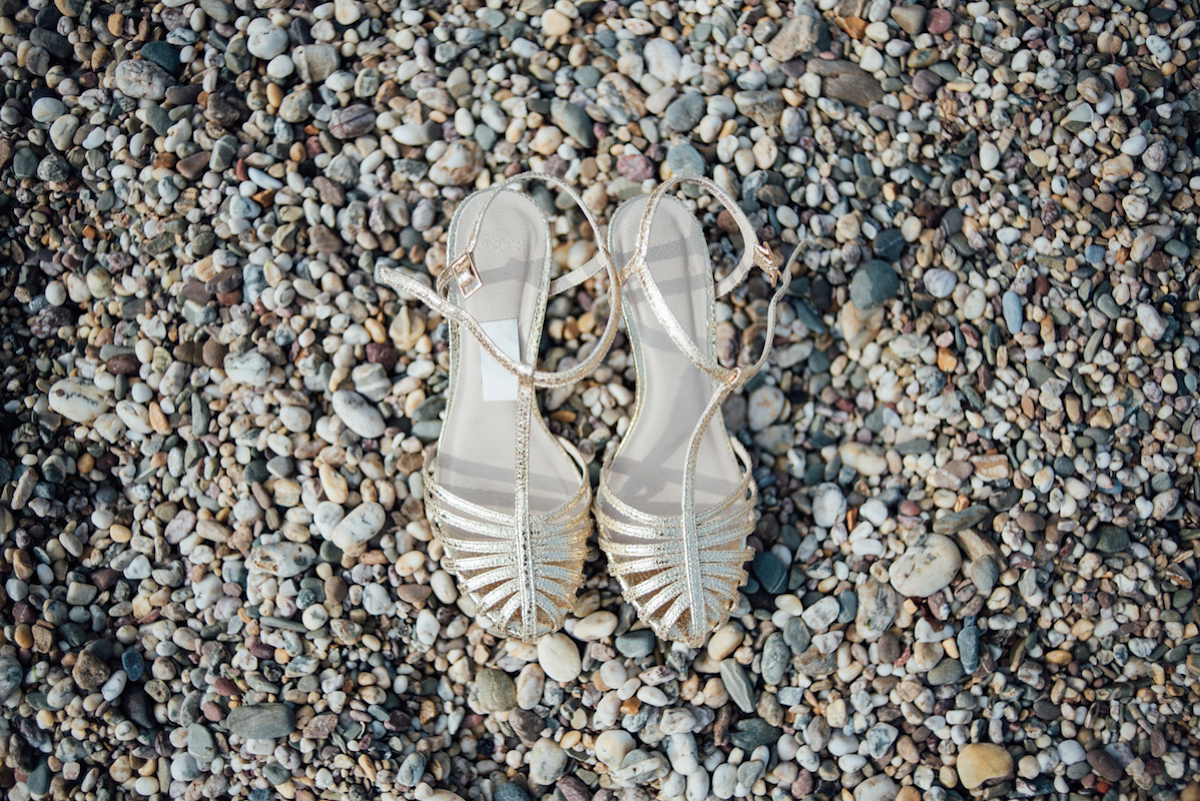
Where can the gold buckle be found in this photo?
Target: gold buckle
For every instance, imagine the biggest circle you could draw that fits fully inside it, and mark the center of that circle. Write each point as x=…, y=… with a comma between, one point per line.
x=466, y=274
x=765, y=259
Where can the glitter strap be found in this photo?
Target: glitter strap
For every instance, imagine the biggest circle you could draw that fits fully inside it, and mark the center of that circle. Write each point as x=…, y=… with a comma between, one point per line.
x=465, y=278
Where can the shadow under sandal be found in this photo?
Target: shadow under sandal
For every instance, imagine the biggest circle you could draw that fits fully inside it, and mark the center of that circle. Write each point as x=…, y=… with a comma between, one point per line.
x=676, y=500
x=509, y=501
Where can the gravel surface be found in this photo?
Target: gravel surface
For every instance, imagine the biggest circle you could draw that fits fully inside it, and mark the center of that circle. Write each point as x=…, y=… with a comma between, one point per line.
x=975, y=439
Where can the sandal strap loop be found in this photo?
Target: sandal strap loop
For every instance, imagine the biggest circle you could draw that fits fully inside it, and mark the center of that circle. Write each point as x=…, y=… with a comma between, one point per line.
x=756, y=253
x=462, y=275
x=572, y=278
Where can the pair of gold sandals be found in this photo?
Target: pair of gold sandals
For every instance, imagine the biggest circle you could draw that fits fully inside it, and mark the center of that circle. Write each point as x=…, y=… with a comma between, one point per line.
x=511, y=503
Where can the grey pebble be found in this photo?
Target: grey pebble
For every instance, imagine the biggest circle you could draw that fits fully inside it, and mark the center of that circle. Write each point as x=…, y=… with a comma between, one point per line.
x=945, y=672
x=684, y=112
x=738, y=685
x=10, y=676
x=1014, y=312
x=636, y=644
x=776, y=657
x=261, y=721
x=872, y=285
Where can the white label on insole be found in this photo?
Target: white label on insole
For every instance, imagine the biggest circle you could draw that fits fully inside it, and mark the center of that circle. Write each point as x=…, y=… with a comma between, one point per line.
x=499, y=384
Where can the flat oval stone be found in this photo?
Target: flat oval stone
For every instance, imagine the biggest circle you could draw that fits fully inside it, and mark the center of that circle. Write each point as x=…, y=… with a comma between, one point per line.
x=282, y=559
x=983, y=762
x=878, y=605
x=926, y=567
x=559, y=657
x=261, y=721
x=356, y=528
x=79, y=400
x=359, y=415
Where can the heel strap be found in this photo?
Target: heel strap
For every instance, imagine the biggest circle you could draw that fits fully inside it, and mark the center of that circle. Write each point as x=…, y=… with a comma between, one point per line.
x=462, y=275
x=560, y=284
x=755, y=253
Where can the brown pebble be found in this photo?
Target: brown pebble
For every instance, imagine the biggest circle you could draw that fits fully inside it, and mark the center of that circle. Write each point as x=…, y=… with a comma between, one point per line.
x=414, y=593
x=1031, y=521
x=123, y=364
x=194, y=165
x=105, y=578
x=1105, y=764
x=225, y=687
x=23, y=636
x=938, y=21
x=189, y=353
x=89, y=671
x=214, y=353
x=382, y=354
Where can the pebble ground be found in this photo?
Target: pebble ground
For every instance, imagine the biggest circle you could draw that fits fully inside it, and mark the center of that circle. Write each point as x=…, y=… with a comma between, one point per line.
x=975, y=440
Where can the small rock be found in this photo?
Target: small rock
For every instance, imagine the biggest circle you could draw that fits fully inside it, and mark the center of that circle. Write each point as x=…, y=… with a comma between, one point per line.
x=821, y=615
x=799, y=35
x=264, y=39
x=938, y=21
x=878, y=605
x=863, y=459
x=459, y=165
x=359, y=415
x=770, y=572
x=1014, y=312
x=90, y=671
x=1151, y=321
x=261, y=721
x=877, y=788
x=140, y=79
x=596, y=626
x=829, y=505
x=636, y=644
x=10, y=676
x=738, y=685
x=78, y=400
x=911, y=19
x=765, y=406
x=873, y=284
x=352, y=533
x=613, y=745
x=352, y=121
x=1112, y=539
x=250, y=368
x=497, y=690
x=547, y=761
x=1105, y=765
x=663, y=60
x=846, y=81
x=283, y=559
x=983, y=762
x=940, y=283
x=926, y=566
x=559, y=657
x=764, y=106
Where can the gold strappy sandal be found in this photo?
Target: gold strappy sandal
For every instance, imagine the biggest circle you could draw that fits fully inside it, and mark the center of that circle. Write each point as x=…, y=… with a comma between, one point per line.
x=676, y=500
x=509, y=502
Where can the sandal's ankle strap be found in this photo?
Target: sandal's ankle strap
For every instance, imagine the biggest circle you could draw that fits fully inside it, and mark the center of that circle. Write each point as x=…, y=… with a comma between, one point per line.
x=461, y=272
x=755, y=253
x=572, y=278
